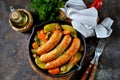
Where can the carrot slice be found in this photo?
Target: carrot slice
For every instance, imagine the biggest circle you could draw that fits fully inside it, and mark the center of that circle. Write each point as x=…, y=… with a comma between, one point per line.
x=66, y=32
x=34, y=45
x=42, y=36
x=54, y=71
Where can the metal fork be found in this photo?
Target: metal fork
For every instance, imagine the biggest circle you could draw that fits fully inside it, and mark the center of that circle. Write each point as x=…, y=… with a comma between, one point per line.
x=93, y=64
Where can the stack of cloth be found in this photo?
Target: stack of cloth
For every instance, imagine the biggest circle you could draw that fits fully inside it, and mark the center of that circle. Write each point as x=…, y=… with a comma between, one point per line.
x=84, y=19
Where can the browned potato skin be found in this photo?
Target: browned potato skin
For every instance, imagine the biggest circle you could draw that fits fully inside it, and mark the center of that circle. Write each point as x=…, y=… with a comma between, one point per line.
x=66, y=56
x=51, y=43
x=57, y=51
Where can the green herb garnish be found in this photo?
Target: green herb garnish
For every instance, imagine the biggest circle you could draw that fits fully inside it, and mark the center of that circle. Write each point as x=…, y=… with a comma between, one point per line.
x=46, y=9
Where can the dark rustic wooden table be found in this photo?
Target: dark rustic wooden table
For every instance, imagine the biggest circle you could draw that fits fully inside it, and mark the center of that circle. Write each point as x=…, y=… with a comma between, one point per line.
x=14, y=64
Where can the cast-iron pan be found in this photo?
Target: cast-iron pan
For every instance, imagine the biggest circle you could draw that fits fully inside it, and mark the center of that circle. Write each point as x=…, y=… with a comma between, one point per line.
x=75, y=68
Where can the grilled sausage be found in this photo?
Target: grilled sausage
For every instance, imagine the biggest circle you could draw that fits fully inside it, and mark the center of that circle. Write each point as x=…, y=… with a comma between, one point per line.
x=66, y=56
x=51, y=43
x=57, y=51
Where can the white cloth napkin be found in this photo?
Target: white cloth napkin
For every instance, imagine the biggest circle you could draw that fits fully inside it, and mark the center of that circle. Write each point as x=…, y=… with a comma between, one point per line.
x=84, y=19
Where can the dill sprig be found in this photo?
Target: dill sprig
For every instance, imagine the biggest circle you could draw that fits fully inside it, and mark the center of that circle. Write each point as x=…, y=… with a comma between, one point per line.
x=46, y=9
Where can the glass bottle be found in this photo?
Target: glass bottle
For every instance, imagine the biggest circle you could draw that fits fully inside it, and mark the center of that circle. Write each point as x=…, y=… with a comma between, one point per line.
x=18, y=19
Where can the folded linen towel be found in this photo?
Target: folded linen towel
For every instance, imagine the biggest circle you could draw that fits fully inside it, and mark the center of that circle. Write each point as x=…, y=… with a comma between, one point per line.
x=84, y=19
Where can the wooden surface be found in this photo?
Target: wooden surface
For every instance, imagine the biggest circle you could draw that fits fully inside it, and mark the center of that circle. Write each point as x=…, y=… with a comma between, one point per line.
x=14, y=64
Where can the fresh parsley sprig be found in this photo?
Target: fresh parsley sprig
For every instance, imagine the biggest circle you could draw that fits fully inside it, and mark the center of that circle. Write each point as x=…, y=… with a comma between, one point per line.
x=46, y=9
